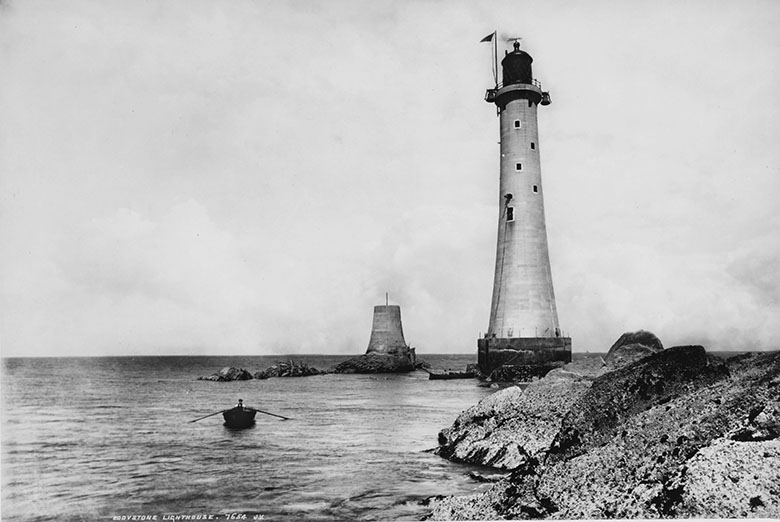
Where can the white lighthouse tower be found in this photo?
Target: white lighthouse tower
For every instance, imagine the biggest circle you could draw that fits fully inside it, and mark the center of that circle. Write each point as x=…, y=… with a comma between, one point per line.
x=523, y=326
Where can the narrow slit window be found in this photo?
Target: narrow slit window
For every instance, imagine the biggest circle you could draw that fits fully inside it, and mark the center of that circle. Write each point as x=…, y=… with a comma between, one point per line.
x=530, y=103
x=518, y=167
x=518, y=124
x=536, y=189
x=510, y=213
x=533, y=146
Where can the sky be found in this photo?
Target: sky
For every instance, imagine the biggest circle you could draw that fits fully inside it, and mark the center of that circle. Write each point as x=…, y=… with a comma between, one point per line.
x=251, y=177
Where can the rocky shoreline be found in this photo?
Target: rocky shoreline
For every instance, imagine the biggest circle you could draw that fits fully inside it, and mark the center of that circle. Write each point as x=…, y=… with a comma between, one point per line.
x=367, y=363
x=645, y=433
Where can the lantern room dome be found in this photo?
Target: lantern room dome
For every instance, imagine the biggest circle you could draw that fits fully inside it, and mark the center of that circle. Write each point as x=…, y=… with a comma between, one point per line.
x=516, y=67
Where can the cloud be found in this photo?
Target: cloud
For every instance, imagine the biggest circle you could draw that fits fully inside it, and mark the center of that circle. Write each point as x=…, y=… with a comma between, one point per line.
x=724, y=302
x=253, y=176
x=128, y=282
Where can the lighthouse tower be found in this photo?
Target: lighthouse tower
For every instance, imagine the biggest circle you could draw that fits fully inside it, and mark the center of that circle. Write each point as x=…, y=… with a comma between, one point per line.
x=387, y=334
x=523, y=325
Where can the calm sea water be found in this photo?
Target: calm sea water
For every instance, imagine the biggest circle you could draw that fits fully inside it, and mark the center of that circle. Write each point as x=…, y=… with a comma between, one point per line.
x=99, y=438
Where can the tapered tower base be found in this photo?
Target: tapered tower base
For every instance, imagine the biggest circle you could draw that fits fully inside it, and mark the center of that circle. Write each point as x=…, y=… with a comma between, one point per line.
x=517, y=351
x=387, y=334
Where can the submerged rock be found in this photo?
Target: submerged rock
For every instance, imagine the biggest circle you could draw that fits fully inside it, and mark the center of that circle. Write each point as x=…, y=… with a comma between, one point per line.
x=288, y=369
x=376, y=363
x=228, y=373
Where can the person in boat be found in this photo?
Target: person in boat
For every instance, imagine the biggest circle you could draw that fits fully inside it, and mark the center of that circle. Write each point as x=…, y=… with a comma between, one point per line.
x=240, y=404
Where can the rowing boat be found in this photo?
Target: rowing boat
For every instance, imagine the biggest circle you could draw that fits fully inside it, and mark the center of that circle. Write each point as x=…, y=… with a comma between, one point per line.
x=239, y=417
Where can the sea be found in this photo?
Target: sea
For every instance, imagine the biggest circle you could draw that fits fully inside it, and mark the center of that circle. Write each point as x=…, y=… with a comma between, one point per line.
x=112, y=438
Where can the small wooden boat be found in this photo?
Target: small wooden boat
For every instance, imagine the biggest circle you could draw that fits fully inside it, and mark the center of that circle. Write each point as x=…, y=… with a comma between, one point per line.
x=239, y=417
x=451, y=375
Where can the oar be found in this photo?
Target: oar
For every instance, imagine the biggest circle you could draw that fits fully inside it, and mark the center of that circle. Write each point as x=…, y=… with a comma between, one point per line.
x=209, y=415
x=272, y=414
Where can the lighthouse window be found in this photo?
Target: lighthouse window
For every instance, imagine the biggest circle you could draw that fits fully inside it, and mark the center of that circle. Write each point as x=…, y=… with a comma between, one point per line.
x=517, y=124
x=536, y=189
x=510, y=213
x=533, y=146
x=518, y=167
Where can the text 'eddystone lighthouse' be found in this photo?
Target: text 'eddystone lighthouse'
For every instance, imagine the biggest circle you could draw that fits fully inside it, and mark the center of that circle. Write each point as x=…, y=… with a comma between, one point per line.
x=523, y=326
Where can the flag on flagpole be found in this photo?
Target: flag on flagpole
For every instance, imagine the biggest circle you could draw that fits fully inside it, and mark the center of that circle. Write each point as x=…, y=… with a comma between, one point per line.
x=492, y=38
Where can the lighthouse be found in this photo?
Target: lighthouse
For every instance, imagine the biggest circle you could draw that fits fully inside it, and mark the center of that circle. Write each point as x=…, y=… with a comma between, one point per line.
x=523, y=327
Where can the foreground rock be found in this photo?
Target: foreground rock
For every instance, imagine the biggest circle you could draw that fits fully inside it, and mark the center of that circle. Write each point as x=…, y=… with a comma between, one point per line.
x=506, y=428
x=678, y=434
x=288, y=369
x=617, y=396
x=228, y=373
x=513, y=426
x=376, y=363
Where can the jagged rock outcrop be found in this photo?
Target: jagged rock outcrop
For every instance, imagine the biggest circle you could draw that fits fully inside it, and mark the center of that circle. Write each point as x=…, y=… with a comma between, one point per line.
x=512, y=426
x=631, y=347
x=228, y=373
x=376, y=363
x=640, y=471
x=505, y=428
x=288, y=369
x=616, y=396
x=678, y=434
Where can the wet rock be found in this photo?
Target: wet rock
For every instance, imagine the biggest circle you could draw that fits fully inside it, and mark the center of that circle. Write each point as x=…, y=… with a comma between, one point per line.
x=481, y=477
x=228, y=373
x=376, y=363
x=473, y=368
x=482, y=506
x=509, y=498
x=421, y=364
x=631, y=347
x=288, y=369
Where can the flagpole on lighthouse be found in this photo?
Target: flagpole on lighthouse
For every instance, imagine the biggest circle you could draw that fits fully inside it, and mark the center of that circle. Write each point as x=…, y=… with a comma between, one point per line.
x=495, y=57
x=492, y=38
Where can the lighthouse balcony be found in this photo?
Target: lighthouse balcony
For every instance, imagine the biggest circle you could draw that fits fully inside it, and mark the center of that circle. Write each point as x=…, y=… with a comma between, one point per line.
x=504, y=93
